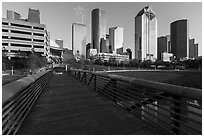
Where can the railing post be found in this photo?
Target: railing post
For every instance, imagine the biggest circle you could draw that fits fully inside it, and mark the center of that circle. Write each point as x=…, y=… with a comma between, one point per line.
x=114, y=85
x=94, y=81
x=175, y=114
x=85, y=77
x=79, y=73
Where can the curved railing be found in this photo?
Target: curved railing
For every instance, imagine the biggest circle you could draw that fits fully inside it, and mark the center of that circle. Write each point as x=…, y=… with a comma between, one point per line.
x=169, y=108
x=18, y=98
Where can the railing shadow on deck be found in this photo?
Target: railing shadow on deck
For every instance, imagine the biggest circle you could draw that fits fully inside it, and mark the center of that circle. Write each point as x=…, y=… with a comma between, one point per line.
x=171, y=109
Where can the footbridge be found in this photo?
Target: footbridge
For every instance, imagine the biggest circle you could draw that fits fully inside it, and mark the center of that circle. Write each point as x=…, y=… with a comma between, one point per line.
x=78, y=102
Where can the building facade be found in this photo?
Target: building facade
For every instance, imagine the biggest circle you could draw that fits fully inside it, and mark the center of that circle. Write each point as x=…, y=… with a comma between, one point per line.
x=146, y=35
x=34, y=16
x=196, y=50
x=98, y=27
x=13, y=15
x=163, y=45
x=179, y=33
x=59, y=42
x=193, y=49
x=79, y=39
x=115, y=38
x=23, y=36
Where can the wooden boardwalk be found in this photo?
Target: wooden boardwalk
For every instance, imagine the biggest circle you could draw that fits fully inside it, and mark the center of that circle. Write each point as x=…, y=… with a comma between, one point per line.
x=67, y=107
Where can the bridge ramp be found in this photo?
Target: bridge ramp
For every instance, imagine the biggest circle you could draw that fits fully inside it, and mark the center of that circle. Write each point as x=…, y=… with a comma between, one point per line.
x=67, y=107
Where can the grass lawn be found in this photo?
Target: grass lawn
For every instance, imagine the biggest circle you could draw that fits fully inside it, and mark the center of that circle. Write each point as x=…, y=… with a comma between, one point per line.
x=9, y=78
x=182, y=78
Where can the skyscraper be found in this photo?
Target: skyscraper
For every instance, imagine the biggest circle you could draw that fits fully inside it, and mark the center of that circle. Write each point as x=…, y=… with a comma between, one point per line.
x=34, y=16
x=146, y=35
x=191, y=48
x=98, y=25
x=163, y=45
x=115, y=38
x=196, y=50
x=79, y=39
x=179, y=38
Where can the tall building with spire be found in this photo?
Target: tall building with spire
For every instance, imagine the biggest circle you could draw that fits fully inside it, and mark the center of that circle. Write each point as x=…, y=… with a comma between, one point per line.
x=98, y=28
x=146, y=35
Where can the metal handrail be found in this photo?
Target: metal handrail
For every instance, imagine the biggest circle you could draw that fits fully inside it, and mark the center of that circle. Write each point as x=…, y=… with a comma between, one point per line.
x=174, y=109
x=15, y=108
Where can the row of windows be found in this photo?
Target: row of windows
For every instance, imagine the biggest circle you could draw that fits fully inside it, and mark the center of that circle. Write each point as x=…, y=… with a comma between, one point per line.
x=20, y=45
x=20, y=25
x=20, y=32
x=4, y=44
x=20, y=38
x=28, y=52
x=38, y=34
x=4, y=30
x=23, y=45
x=38, y=40
x=23, y=26
x=38, y=46
x=4, y=23
x=23, y=32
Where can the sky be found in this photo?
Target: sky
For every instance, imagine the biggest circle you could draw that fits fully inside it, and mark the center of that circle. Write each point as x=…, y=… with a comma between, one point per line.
x=59, y=16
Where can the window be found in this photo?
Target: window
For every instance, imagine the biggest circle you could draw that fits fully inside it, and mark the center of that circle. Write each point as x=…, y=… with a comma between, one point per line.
x=20, y=32
x=20, y=45
x=38, y=46
x=4, y=37
x=4, y=30
x=38, y=40
x=18, y=38
x=4, y=23
x=20, y=25
x=4, y=44
x=39, y=28
x=38, y=34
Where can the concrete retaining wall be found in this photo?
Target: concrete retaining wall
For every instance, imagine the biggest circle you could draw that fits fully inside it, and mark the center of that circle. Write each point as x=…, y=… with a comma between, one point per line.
x=11, y=89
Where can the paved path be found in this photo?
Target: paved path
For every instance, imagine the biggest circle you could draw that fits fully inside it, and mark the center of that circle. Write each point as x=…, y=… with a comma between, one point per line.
x=68, y=107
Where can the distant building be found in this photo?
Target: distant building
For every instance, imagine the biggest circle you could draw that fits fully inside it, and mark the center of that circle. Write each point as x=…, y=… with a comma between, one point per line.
x=88, y=47
x=59, y=42
x=146, y=35
x=91, y=53
x=115, y=38
x=119, y=51
x=106, y=57
x=56, y=52
x=196, y=50
x=79, y=39
x=22, y=36
x=13, y=15
x=191, y=48
x=34, y=16
x=166, y=57
x=98, y=27
x=163, y=45
x=179, y=39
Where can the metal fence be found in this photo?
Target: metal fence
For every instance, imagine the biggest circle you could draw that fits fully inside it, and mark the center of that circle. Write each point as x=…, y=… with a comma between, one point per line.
x=169, y=108
x=16, y=108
